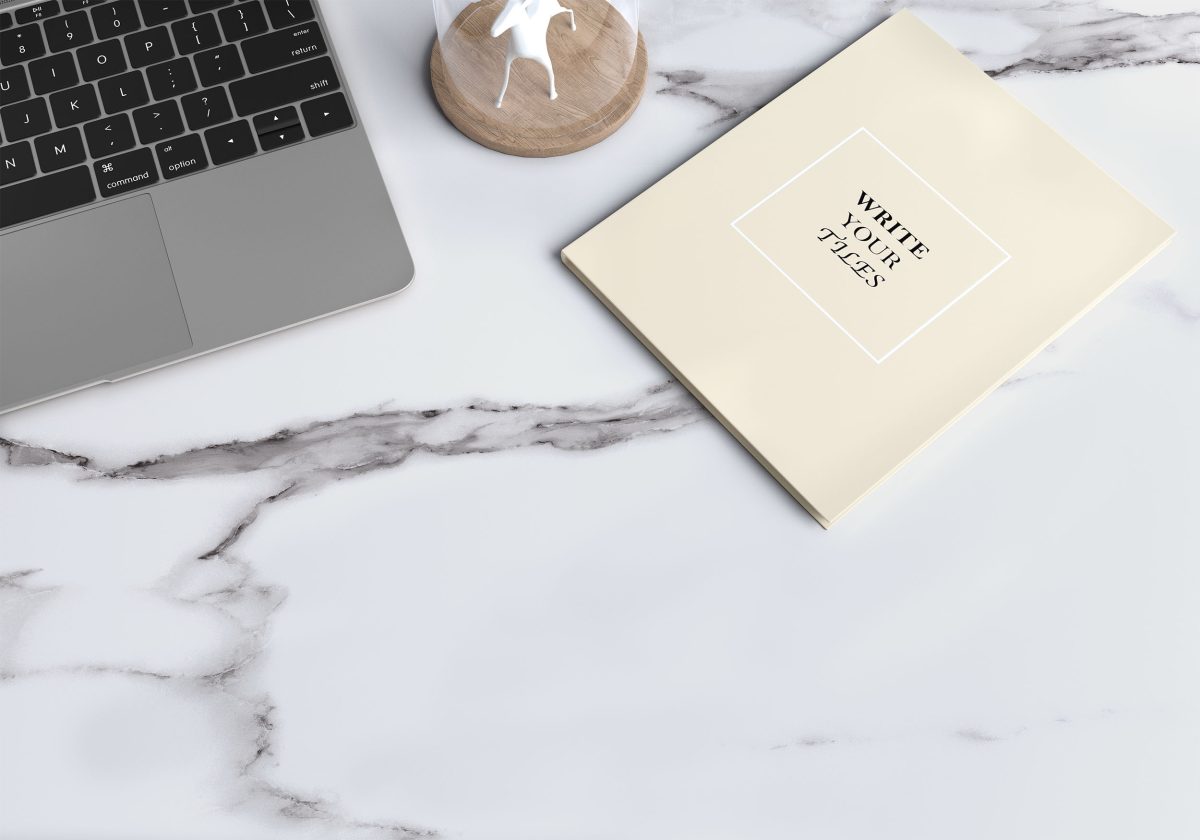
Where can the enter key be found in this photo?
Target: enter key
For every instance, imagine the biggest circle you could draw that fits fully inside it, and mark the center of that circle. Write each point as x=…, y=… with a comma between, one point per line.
x=267, y=52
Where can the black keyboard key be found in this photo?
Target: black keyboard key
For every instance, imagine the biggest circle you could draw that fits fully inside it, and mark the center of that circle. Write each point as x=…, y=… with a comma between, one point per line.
x=14, y=85
x=198, y=6
x=160, y=121
x=195, y=34
x=179, y=157
x=38, y=11
x=287, y=12
x=25, y=119
x=219, y=66
x=54, y=72
x=130, y=171
x=6, y=20
x=60, y=150
x=171, y=79
x=162, y=11
x=329, y=113
x=230, y=142
x=75, y=106
x=117, y=18
x=206, y=108
x=16, y=163
x=284, y=47
x=284, y=86
x=276, y=120
x=43, y=196
x=68, y=31
x=120, y=93
x=74, y=5
x=21, y=44
x=99, y=60
x=242, y=21
x=282, y=137
x=149, y=46
x=110, y=135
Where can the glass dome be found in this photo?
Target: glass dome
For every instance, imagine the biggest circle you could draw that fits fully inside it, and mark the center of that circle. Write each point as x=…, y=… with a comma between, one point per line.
x=538, y=77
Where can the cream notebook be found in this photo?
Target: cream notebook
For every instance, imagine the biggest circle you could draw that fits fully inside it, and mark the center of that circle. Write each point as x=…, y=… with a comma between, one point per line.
x=844, y=274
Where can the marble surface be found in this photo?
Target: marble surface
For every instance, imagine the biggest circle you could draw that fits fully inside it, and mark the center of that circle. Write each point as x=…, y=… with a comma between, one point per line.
x=465, y=564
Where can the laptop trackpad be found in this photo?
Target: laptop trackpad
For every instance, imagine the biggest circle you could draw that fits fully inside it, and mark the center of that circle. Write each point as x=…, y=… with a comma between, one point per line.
x=84, y=299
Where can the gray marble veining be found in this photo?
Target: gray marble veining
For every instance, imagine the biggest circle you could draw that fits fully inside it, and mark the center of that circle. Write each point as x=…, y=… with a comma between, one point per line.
x=1059, y=37
x=303, y=460
x=307, y=458
x=754, y=729
x=367, y=441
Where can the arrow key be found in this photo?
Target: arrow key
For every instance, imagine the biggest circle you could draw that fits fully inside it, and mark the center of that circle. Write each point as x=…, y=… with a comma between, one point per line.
x=327, y=114
x=285, y=137
x=276, y=120
x=229, y=142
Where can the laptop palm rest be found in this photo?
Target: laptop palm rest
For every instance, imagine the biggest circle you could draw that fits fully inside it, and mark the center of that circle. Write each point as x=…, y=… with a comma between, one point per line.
x=86, y=299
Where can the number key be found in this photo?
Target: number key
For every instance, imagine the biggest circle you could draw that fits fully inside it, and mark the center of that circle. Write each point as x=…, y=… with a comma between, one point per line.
x=69, y=31
x=113, y=19
x=21, y=44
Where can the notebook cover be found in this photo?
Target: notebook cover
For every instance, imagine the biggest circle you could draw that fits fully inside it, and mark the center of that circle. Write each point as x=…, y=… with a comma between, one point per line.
x=843, y=275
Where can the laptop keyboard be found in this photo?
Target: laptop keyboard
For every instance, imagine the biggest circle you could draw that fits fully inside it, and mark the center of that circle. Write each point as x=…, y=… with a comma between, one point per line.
x=101, y=97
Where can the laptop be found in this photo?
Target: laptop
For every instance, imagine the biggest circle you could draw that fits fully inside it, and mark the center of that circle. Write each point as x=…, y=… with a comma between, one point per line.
x=176, y=177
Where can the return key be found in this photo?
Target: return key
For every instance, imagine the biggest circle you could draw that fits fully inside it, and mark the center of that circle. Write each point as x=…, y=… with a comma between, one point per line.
x=284, y=47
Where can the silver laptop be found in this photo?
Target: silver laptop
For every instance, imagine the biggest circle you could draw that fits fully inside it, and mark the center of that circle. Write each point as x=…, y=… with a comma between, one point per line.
x=176, y=177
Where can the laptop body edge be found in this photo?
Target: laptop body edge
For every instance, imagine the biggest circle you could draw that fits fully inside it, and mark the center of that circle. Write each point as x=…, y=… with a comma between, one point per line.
x=252, y=247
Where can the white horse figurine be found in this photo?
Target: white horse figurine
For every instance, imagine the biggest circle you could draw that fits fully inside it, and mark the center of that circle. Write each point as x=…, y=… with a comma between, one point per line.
x=528, y=20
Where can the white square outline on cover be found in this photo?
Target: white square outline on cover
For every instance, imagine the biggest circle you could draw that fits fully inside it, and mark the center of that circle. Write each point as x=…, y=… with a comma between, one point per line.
x=813, y=301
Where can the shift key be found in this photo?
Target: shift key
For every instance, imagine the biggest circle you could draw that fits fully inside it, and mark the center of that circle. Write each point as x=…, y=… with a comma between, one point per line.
x=284, y=86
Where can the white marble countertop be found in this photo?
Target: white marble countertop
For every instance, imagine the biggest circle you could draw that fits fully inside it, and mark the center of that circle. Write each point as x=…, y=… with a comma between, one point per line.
x=267, y=594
